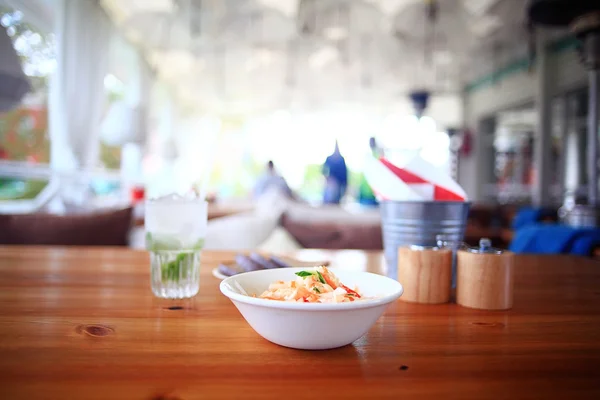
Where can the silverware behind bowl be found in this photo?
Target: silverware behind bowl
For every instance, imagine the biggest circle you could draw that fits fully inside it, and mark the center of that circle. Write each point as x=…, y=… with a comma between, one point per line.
x=256, y=262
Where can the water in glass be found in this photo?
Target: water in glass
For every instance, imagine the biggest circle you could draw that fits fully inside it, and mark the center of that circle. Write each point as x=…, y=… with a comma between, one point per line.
x=175, y=231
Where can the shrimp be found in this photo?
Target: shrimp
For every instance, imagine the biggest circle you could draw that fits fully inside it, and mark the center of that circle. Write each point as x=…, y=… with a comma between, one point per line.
x=326, y=275
x=317, y=286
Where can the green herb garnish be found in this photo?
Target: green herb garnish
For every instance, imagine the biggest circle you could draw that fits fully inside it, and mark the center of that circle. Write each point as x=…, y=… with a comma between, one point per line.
x=321, y=278
x=304, y=274
x=316, y=289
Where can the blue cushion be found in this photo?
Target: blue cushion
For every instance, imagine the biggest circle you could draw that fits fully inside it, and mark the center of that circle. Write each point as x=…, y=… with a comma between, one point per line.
x=555, y=239
x=526, y=216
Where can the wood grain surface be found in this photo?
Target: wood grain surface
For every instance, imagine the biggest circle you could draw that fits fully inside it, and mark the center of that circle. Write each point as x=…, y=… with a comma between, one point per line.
x=426, y=275
x=82, y=323
x=485, y=281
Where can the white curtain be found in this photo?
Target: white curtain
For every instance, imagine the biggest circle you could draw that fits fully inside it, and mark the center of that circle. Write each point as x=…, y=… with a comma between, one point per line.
x=161, y=150
x=138, y=97
x=126, y=120
x=77, y=97
x=146, y=82
x=135, y=144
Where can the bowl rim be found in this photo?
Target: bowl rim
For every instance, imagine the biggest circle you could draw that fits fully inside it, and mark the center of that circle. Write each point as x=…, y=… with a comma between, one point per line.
x=284, y=305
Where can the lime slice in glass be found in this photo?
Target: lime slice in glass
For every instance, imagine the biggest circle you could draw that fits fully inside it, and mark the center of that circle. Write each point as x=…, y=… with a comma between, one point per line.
x=198, y=245
x=157, y=242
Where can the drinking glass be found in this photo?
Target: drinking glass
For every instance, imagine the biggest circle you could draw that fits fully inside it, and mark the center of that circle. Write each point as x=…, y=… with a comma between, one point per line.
x=175, y=233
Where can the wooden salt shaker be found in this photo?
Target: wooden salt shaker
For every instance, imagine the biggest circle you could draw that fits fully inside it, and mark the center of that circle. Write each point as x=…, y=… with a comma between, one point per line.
x=485, y=277
x=425, y=274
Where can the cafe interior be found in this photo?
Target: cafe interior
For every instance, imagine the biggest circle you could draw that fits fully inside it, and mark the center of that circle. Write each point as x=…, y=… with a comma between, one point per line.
x=350, y=136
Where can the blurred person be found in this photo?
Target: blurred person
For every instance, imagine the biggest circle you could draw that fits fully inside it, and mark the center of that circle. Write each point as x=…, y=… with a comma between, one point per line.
x=376, y=151
x=270, y=179
x=336, y=177
x=332, y=193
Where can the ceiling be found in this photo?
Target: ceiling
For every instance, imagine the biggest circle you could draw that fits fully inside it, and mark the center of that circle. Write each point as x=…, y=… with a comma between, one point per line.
x=253, y=55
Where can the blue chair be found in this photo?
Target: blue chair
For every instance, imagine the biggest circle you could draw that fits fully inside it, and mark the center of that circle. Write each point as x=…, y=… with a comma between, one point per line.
x=531, y=215
x=555, y=239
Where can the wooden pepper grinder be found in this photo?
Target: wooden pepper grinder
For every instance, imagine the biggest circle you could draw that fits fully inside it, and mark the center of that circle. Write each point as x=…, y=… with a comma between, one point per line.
x=425, y=274
x=485, y=277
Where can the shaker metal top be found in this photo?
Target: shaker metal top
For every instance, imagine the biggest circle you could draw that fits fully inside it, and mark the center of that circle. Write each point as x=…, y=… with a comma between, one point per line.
x=418, y=247
x=485, y=247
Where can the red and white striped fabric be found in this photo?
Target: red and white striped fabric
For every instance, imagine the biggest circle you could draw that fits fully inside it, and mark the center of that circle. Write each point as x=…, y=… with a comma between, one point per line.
x=418, y=180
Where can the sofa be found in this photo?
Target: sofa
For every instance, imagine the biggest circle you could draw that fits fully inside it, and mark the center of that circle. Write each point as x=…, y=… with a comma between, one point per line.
x=99, y=228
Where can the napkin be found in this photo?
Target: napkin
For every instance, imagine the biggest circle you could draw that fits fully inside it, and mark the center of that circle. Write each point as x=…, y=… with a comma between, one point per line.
x=417, y=180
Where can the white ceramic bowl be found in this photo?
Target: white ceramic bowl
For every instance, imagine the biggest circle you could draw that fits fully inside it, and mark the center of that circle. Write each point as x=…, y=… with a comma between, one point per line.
x=310, y=326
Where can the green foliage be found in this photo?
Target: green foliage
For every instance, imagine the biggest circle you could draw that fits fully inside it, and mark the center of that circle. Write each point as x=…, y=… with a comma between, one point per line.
x=23, y=134
x=314, y=182
x=37, y=52
x=312, y=188
x=237, y=184
x=115, y=95
x=110, y=156
x=35, y=48
x=16, y=189
x=23, y=131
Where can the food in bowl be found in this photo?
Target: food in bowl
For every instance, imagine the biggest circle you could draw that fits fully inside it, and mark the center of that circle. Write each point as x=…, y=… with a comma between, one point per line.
x=318, y=285
x=310, y=326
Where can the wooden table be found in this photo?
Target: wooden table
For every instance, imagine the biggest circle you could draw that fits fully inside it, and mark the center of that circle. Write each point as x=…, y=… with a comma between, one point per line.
x=83, y=324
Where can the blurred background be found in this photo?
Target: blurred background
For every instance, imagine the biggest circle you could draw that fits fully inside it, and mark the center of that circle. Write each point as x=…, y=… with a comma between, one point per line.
x=138, y=98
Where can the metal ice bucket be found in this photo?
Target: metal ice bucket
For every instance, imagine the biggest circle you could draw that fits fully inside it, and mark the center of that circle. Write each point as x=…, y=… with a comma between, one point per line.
x=418, y=223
